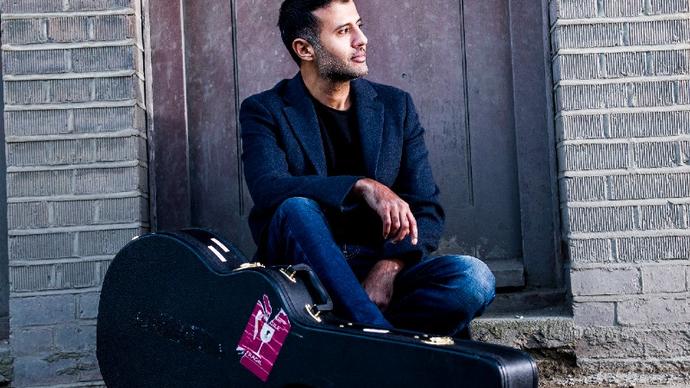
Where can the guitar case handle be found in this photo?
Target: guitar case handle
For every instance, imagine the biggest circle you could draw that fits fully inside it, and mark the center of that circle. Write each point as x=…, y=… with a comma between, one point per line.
x=322, y=300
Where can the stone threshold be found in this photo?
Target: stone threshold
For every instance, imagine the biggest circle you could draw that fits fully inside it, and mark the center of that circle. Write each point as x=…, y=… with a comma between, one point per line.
x=552, y=338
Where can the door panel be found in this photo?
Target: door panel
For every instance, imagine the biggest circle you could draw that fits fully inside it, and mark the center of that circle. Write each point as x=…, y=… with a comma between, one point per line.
x=453, y=57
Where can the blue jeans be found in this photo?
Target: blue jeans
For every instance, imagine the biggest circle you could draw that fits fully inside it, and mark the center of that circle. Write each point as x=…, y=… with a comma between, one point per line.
x=439, y=295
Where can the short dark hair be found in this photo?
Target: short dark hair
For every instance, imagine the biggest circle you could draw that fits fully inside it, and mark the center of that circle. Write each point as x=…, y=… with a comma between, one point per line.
x=296, y=20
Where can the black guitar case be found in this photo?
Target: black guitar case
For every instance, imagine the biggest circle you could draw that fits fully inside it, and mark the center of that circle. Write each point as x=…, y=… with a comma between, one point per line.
x=186, y=309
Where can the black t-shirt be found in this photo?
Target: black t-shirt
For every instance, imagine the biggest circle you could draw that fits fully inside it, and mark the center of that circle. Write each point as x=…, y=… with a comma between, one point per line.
x=341, y=143
x=343, y=150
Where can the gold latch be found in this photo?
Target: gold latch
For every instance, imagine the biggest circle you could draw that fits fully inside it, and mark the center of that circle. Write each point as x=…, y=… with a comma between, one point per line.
x=249, y=265
x=439, y=341
x=289, y=273
x=311, y=310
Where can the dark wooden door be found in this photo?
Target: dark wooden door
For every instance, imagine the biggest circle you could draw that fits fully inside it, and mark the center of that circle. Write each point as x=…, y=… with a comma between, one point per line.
x=456, y=58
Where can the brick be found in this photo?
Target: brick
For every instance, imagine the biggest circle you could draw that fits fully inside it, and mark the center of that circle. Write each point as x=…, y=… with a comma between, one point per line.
x=23, y=31
x=75, y=338
x=110, y=180
x=103, y=119
x=594, y=314
x=642, y=186
x=659, y=217
x=77, y=275
x=659, y=32
x=28, y=215
x=98, y=5
x=35, y=62
x=103, y=58
x=655, y=155
x=638, y=249
x=650, y=94
x=625, y=65
x=71, y=90
x=44, y=369
x=657, y=279
x=669, y=62
x=41, y=246
x=71, y=213
x=113, y=27
x=32, y=278
x=582, y=127
x=112, y=89
x=684, y=153
x=606, y=281
x=589, y=250
x=573, y=9
x=61, y=152
x=41, y=310
x=580, y=66
x=68, y=29
x=626, y=125
x=29, y=123
x=602, y=219
x=582, y=157
x=576, y=97
x=104, y=242
x=683, y=92
x=617, y=8
x=654, y=311
x=88, y=305
x=122, y=210
x=31, y=6
x=27, y=92
x=584, y=188
x=589, y=35
x=28, y=341
x=35, y=183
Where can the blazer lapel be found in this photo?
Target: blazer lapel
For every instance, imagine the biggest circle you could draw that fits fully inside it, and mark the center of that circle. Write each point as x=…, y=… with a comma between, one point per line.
x=370, y=120
x=302, y=118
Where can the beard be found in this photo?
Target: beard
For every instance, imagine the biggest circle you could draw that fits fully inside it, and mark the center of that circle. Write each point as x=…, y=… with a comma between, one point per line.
x=335, y=69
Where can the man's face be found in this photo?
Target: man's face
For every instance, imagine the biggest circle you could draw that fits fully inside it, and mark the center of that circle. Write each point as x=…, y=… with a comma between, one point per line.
x=341, y=53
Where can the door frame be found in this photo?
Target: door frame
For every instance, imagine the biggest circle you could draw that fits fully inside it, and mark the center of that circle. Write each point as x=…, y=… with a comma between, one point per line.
x=169, y=157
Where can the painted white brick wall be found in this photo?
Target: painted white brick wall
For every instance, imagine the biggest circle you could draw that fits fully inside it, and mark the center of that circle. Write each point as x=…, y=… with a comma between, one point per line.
x=622, y=85
x=75, y=138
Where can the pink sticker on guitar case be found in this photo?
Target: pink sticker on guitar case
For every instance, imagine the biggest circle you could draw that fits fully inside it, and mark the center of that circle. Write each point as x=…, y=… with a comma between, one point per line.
x=263, y=338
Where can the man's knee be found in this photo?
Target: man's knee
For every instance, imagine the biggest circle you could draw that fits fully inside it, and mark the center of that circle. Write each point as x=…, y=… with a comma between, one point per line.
x=473, y=280
x=297, y=207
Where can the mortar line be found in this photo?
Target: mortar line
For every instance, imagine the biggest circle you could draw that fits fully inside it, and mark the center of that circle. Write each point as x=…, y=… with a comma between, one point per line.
x=40, y=15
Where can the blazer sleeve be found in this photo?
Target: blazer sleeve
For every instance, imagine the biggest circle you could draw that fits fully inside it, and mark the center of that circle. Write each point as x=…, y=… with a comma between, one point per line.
x=415, y=185
x=266, y=168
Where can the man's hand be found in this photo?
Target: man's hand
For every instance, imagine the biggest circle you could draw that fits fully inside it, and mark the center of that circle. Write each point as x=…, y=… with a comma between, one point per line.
x=379, y=283
x=398, y=220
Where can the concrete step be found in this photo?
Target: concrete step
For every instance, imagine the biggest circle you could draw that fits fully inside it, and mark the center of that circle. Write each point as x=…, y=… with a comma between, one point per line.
x=563, y=350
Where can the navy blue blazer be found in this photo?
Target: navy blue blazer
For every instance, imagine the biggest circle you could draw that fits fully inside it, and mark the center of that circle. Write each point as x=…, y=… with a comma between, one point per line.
x=283, y=157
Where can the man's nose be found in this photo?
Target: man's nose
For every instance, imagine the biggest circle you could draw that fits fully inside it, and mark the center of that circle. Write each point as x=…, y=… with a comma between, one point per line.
x=360, y=38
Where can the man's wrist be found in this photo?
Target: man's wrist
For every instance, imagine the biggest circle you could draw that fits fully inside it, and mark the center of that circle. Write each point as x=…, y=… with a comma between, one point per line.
x=361, y=186
x=391, y=265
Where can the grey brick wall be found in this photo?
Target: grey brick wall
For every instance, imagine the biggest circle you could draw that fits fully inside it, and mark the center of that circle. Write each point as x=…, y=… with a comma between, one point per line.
x=76, y=173
x=621, y=72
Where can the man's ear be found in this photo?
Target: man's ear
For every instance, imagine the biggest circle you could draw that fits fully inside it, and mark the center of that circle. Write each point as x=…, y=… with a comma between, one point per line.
x=303, y=49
